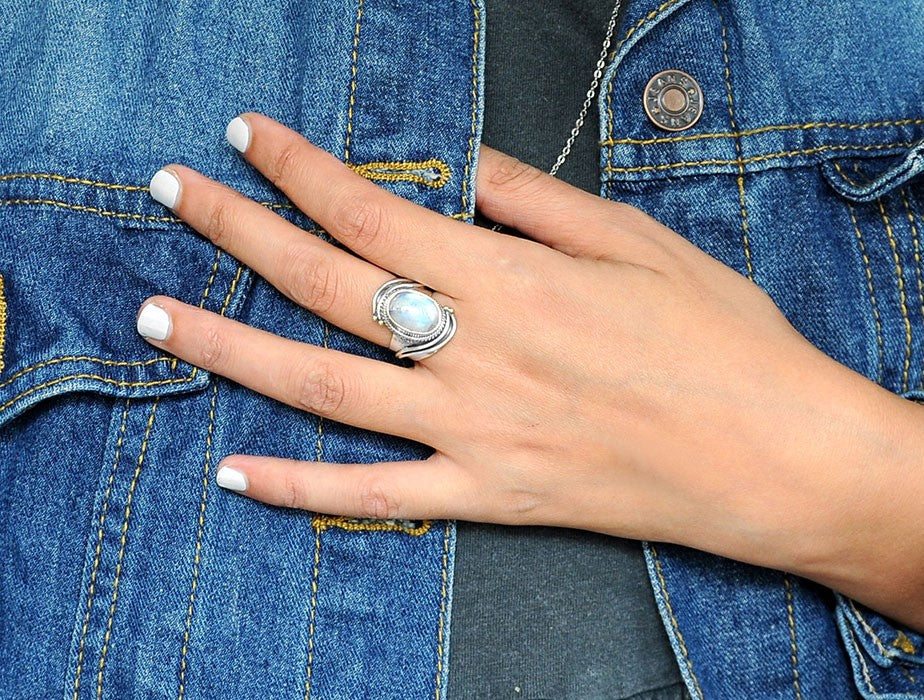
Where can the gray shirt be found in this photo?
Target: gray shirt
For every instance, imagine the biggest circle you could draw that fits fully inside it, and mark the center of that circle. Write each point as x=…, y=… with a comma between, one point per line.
x=546, y=612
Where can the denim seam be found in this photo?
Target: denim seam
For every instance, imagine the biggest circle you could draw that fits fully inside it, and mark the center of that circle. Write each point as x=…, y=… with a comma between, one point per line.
x=200, y=527
x=915, y=239
x=99, y=688
x=367, y=170
x=116, y=214
x=474, y=119
x=214, y=271
x=848, y=631
x=638, y=25
x=319, y=450
x=319, y=446
x=237, y=277
x=439, y=633
x=101, y=361
x=2, y=320
x=793, y=645
x=766, y=156
x=609, y=93
x=872, y=294
x=676, y=626
x=122, y=543
x=901, y=291
x=106, y=380
x=313, y=606
x=174, y=220
x=731, y=116
x=74, y=180
x=99, y=546
x=848, y=179
x=82, y=358
x=764, y=129
x=231, y=288
x=205, y=294
x=864, y=668
x=91, y=210
x=871, y=632
x=355, y=58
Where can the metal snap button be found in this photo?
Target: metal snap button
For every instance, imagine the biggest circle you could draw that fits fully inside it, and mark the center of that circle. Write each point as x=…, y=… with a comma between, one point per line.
x=673, y=100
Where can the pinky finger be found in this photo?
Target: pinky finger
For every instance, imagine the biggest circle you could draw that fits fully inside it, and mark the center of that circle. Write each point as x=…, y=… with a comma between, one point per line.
x=414, y=490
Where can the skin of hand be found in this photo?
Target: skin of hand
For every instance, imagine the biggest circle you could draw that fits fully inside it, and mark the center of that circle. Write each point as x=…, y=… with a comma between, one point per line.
x=606, y=375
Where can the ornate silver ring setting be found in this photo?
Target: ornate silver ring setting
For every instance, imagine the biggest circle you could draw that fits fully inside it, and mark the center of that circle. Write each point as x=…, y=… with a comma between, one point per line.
x=419, y=325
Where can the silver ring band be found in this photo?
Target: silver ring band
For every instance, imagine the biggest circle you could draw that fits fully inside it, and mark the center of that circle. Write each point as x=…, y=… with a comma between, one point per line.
x=418, y=324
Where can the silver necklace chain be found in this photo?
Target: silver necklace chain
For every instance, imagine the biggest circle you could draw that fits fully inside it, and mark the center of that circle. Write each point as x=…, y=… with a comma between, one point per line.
x=591, y=92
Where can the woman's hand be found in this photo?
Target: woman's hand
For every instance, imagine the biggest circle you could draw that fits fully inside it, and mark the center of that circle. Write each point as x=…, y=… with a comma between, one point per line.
x=606, y=375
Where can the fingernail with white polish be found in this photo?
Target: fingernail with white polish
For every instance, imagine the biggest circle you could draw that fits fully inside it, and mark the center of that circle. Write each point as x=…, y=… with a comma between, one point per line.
x=154, y=322
x=238, y=134
x=165, y=188
x=232, y=479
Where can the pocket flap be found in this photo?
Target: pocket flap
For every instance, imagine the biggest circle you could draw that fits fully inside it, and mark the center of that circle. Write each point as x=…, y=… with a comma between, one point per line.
x=863, y=180
x=77, y=259
x=883, y=641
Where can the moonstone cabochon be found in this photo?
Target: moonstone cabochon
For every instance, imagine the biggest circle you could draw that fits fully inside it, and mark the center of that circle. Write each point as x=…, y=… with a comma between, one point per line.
x=419, y=325
x=414, y=312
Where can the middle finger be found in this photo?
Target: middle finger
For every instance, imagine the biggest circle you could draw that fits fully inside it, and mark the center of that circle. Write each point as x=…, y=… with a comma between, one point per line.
x=311, y=272
x=388, y=230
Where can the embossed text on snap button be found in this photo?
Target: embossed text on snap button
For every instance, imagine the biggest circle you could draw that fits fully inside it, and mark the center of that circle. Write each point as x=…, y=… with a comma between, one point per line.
x=673, y=100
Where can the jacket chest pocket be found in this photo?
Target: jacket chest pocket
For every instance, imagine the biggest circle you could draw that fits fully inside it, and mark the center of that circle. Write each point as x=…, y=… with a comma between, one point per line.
x=884, y=199
x=803, y=179
x=77, y=258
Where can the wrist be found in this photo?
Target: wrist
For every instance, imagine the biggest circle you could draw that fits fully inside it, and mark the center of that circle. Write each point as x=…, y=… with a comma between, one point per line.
x=858, y=525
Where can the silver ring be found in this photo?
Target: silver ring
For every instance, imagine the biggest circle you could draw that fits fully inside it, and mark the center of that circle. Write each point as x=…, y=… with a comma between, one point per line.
x=419, y=325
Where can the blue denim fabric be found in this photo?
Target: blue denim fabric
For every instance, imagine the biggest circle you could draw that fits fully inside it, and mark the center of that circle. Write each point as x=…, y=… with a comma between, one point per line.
x=803, y=173
x=127, y=573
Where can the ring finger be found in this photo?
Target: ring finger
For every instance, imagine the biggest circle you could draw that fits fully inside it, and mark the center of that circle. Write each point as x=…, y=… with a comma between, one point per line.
x=344, y=387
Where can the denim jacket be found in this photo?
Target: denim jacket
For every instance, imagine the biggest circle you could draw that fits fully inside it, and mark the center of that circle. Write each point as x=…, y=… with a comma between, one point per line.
x=127, y=573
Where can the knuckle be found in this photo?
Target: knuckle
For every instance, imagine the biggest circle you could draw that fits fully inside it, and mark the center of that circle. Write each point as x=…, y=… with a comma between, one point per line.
x=364, y=223
x=292, y=490
x=313, y=284
x=520, y=263
x=512, y=175
x=214, y=349
x=321, y=390
x=376, y=500
x=284, y=164
x=221, y=221
x=622, y=210
x=522, y=505
x=647, y=249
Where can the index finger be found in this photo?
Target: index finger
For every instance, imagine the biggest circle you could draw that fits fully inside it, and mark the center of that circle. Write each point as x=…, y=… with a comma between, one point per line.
x=390, y=231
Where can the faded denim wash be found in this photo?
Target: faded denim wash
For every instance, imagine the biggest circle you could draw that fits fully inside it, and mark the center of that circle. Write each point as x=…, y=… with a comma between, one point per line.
x=127, y=573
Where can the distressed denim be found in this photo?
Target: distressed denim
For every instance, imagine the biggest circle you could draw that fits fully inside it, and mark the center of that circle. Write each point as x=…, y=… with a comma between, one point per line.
x=127, y=573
